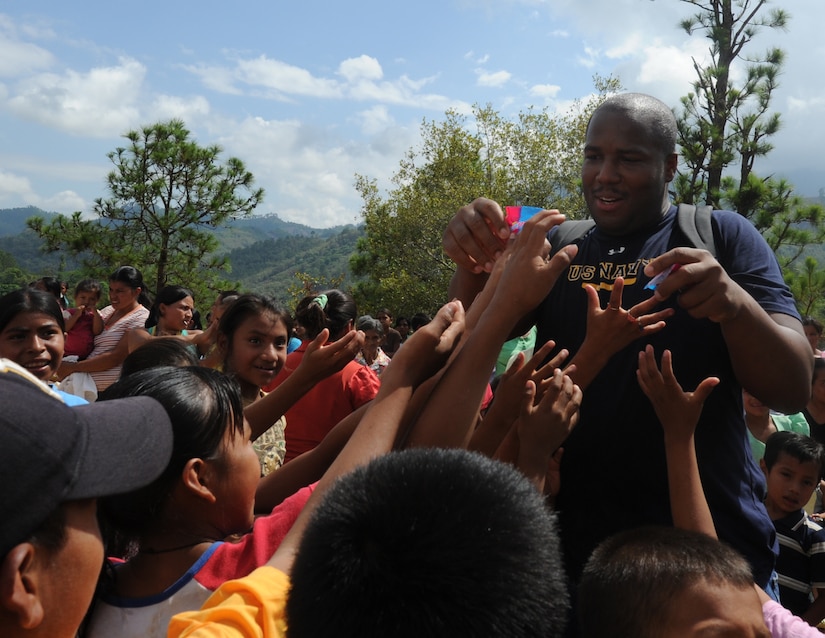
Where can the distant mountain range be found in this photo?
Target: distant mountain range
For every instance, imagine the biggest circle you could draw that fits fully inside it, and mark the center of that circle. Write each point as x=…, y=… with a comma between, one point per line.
x=265, y=251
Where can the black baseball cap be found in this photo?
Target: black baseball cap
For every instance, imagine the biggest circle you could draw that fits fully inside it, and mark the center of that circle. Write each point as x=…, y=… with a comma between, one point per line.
x=51, y=453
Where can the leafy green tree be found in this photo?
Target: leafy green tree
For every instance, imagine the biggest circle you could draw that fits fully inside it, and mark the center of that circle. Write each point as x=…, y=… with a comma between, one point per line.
x=807, y=283
x=723, y=123
x=12, y=276
x=165, y=192
x=532, y=160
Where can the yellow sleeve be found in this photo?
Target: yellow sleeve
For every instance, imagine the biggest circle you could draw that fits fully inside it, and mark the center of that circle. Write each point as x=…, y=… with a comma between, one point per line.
x=250, y=607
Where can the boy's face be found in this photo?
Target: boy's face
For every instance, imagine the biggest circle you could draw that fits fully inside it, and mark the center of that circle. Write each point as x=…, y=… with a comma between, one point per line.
x=791, y=483
x=716, y=609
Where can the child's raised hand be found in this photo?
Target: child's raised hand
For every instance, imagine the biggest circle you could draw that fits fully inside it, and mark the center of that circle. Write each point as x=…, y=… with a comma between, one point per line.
x=322, y=359
x=510, y=390
x=678, y=411
x=428, y=348
x=544, y=425
x=528, y=273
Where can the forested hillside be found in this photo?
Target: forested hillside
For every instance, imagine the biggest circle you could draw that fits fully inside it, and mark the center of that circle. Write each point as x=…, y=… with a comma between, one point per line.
x=264, y=252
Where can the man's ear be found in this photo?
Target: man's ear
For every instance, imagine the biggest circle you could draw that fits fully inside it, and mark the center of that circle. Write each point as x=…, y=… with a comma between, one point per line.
x=20, y=589
x=197, y=478
x=763, y=466
x=671, y=164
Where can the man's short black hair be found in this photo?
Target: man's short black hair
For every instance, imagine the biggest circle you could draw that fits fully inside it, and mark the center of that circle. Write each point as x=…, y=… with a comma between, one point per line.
x=634, y=578
x=429, y=542
x=652, y=112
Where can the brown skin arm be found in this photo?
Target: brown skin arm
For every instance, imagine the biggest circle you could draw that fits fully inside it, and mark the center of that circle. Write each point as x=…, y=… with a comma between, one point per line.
x=816, y=612
x=769, y=352
x=424, y=353
x=307, y=468
x=97, y=364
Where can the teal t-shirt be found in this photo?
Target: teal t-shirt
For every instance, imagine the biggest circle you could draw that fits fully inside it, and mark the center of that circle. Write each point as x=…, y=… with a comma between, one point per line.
x=784, y=423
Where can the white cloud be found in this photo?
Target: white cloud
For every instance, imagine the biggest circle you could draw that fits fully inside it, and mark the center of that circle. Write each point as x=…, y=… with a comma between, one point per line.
x=285, y=78
x=361, y=68
x=165, y=107
x=590, y=58
x=375, y=119
x=215, y=78
x=15, y=189
x=99, y=103
x=495, y=79
x=20, y=58
x=546, y=91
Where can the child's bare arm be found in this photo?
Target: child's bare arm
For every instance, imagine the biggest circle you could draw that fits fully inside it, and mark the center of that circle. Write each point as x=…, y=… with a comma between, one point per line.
x=422, y=355
x=73, y=317
x=544, y=424
x=611, y=329
x=306, y=468
x=508, y=397
x=456, y=398
x=679, y=413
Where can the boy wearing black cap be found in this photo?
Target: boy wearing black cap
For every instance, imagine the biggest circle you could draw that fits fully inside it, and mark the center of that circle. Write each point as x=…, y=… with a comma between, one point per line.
x=55, y=461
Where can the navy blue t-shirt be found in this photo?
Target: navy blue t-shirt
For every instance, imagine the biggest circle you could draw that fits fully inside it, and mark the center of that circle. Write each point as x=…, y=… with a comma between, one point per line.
x=614, y=474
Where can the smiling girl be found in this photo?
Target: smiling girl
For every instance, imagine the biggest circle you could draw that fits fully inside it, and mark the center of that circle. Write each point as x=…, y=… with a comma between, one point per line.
x=32, y=335
x=252, y=337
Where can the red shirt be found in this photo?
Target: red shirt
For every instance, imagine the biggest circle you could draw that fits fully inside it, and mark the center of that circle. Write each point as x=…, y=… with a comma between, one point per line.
x=320, y=409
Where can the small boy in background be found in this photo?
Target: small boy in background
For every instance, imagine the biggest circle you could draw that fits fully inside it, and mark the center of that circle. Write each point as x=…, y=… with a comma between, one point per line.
x=793, y=464
x=84, y=322
x=680, y=581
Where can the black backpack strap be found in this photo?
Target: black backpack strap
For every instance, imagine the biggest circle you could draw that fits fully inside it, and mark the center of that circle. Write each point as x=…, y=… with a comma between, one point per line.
x=570, y=232
x=695, y=224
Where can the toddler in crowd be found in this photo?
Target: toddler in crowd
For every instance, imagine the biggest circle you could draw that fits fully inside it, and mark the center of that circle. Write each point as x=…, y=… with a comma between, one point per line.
x=84, y=322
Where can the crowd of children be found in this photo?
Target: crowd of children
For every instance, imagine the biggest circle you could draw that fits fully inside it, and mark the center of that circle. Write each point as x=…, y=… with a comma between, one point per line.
x=238, y=490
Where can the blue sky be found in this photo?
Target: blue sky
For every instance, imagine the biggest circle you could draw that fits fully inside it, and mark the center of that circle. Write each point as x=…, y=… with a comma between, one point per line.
x=309, y=94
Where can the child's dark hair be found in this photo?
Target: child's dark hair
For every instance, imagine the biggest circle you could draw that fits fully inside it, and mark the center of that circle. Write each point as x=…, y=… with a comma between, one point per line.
x=634, y=579
x=29, y=300
x=429, y=542
x=50, y=285
x=811, y=321
x=157, y=353
x=88, y=285
x=803, y=448
x=332, y=309
x=133, y=278
x=419, y=319
x=250, y=305
x=167, y=296
x=202, y=403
